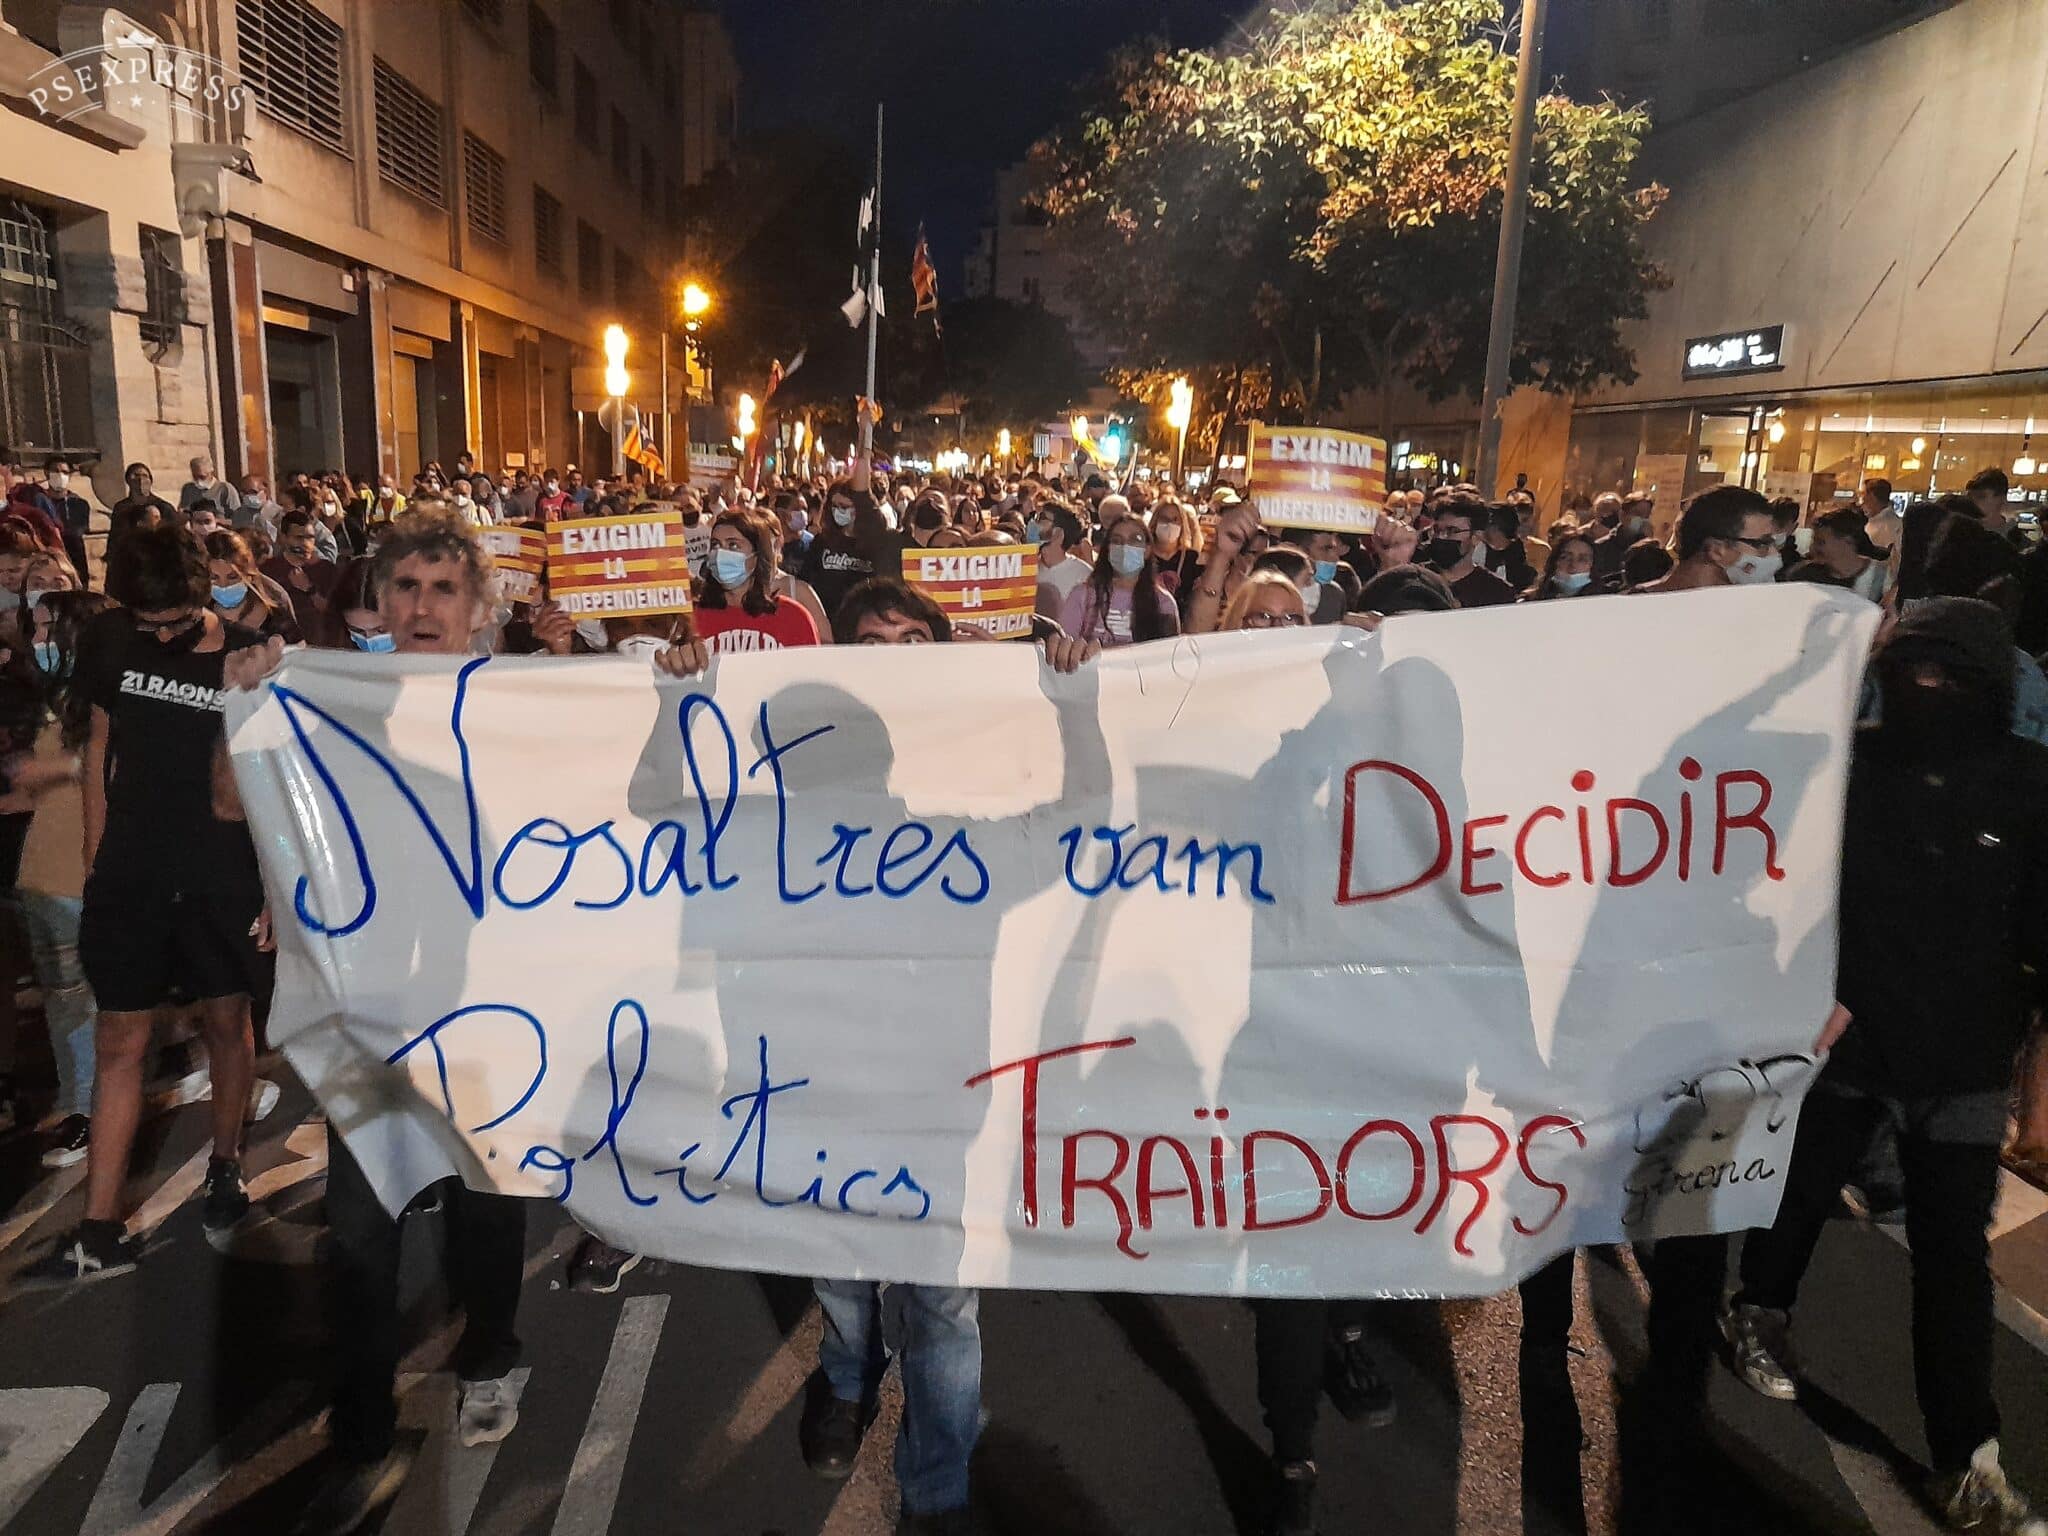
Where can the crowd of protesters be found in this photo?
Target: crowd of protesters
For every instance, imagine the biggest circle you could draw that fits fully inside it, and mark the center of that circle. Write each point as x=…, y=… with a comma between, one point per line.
x=135, y=896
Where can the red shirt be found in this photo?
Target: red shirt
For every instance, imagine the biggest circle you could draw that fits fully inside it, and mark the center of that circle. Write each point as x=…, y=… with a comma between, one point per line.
x=732, y=629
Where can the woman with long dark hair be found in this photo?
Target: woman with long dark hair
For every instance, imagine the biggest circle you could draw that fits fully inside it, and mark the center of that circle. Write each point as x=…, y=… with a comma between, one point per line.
x=47, y=881
x=853, y=544
x=1568, y=572
x=1121, y=603
x=738, y=607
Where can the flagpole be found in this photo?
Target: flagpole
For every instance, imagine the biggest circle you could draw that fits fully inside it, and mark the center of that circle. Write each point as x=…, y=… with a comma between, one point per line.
x=867, y=423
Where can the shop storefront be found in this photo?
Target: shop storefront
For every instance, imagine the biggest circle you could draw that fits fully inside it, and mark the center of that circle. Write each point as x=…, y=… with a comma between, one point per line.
x=1926, y=439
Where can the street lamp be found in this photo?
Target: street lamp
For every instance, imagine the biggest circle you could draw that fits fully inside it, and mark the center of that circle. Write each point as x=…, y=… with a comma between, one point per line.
x=616, y=383
x=1178, y=414
x=696, y=303
x=1003, y=448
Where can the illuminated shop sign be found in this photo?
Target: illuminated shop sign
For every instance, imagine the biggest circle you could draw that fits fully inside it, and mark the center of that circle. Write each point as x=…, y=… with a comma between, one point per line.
x=1714, y=357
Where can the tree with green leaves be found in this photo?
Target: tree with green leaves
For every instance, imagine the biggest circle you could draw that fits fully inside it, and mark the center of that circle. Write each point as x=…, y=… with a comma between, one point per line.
x=1316, y=209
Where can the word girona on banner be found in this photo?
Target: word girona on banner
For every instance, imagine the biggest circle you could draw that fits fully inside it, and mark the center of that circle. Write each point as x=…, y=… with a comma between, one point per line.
x=519, y=554
x=616, y=567
x=1312, y=477
x=994, y=589
x=1311, y=963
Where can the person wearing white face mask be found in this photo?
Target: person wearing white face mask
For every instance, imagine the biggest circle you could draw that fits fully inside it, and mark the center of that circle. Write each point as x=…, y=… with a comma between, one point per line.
x=852, y=544
x=1568, y=572
x=738, y=606
x=1725, y=537
x=467, y=506
x=74, y=516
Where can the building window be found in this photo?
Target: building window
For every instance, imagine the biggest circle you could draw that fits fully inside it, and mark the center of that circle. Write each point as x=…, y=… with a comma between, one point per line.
x=622, y=147
x=547, y=232
x=586, y=107
x=163, y=283
x=589, y=261
x=28, y=256
x=45, y=368
x=622, y=277
x=541, y=61
x=483, y=187
x=408, y=136
x=291, y=59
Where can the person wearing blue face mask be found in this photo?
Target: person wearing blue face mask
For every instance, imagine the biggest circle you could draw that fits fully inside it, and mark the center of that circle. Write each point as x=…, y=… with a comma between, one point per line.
x=43, y=801
x=1121, y=603
x=738, y=606
x=1568, y=572
x=243, y=595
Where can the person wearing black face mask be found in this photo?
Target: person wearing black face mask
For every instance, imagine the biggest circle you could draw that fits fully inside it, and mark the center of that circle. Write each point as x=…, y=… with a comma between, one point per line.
x=172, y=896
x=1453, y=542
x=1944, y=909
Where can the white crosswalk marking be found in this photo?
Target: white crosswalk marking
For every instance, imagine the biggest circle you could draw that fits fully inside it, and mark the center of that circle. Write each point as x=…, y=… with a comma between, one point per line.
x=448, y=1481
x=594, y=1477
x=118, y=1507
x=38, y=1428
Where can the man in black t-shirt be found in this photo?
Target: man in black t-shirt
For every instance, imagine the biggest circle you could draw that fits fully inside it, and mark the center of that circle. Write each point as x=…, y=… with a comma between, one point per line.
x=172, y=898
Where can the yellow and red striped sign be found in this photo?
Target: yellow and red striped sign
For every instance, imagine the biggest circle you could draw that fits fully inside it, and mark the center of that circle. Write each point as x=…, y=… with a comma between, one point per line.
x=518, y=553
x=616, y=567
x=1312, y=477
x=994, y=588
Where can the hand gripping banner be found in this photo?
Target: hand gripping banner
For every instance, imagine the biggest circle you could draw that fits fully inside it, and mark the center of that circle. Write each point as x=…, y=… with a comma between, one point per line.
x=1284, y=964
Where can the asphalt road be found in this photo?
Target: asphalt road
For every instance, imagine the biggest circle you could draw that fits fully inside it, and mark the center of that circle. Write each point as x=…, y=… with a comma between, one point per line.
x=184, y=1398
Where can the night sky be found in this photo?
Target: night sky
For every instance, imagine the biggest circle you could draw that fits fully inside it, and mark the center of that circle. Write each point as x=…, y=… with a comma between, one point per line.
x=969, y=84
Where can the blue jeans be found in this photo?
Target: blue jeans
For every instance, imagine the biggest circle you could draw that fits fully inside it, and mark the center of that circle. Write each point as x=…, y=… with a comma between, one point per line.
x=936, y=1333
x=52, y=923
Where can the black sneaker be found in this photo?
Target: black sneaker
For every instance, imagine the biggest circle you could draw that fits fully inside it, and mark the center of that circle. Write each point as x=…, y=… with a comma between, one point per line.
x=226, y=1201
x=1353, y=1380
x=352, y=1493
x=68, y=1142
x=597, y=1266
x=92, y=1250
x=831, y=1433
x=945, y=1522
x=1294, y=1499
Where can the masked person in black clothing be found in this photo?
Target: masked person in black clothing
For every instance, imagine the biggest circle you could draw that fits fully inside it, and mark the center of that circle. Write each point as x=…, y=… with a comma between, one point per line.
x=1944, y=908
x=853, y=543
x=172, y=896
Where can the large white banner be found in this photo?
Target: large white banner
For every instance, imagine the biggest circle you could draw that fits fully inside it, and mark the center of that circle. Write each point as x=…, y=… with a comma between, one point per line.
x=1284, y=964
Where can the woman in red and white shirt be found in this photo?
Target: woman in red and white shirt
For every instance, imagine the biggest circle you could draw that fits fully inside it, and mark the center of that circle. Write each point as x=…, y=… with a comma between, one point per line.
x=738, y=608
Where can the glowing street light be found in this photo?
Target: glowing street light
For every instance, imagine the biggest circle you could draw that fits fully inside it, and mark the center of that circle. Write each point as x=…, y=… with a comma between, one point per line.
x=616, y=383
x=1003, y=448
x=696, y=301
x=747, y=425
x=1178, y=414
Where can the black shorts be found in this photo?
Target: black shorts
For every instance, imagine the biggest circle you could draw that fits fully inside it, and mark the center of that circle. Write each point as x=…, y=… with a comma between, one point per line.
x=140, y=947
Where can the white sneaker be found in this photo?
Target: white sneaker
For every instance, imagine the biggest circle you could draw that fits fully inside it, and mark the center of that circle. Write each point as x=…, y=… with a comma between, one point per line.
x=488, y=1411
x=263, y=1097
x=1982, y=1500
